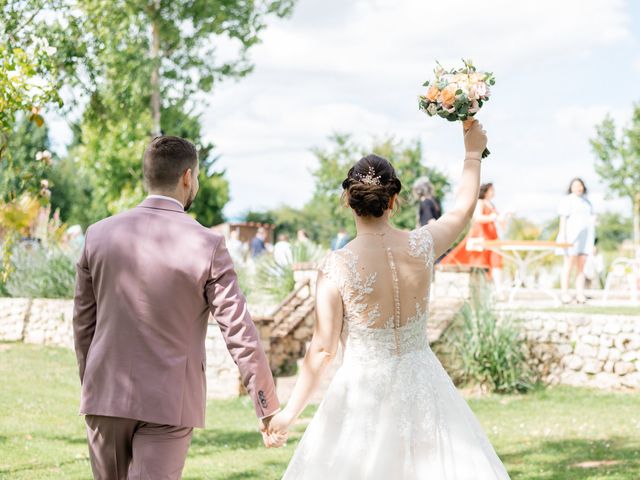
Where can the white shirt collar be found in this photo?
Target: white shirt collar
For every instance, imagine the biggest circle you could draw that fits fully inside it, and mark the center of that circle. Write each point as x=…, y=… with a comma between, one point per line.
x=163, y=197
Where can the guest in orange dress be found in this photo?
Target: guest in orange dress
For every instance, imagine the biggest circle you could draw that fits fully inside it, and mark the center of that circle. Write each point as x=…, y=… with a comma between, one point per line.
x=483, y=227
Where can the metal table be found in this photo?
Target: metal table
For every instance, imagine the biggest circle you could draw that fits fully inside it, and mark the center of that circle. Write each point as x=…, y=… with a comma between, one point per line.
x=524, y=253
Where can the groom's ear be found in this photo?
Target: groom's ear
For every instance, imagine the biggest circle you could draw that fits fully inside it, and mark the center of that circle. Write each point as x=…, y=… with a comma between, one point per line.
x=187, y=177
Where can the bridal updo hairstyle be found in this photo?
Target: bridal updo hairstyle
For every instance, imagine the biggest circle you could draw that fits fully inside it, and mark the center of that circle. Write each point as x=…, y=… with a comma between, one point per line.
x=370, y=185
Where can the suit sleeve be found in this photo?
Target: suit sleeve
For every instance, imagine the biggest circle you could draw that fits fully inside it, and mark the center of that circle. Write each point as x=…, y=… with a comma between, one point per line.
x=84, y=311
x=229, y=308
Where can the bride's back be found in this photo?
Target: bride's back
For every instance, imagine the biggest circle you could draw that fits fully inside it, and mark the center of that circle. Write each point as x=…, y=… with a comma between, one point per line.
x=384, y=281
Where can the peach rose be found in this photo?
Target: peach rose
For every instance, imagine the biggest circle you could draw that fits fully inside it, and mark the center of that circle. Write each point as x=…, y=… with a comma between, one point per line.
x=449, y=94
x=433, y=93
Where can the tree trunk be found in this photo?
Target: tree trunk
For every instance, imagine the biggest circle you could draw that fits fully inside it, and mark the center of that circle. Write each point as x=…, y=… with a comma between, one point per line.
x=155, y=73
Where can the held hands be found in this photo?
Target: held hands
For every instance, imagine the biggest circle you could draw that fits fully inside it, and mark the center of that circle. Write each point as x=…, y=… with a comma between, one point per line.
x=275, y=429
x=475, y=138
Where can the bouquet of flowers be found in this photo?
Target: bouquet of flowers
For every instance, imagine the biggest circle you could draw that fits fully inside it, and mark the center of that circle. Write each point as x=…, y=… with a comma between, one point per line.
x=457, y=94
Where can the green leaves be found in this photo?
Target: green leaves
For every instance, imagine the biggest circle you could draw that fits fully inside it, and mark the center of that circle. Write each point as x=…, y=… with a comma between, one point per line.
x=27, y=78
x=618, y=161
x=491, y=350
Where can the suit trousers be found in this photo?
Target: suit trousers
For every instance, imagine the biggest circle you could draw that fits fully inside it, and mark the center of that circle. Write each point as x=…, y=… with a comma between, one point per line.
x=127, y=449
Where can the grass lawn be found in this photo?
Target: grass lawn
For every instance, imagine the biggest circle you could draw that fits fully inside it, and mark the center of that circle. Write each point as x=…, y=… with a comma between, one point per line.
x=560, y=434
x=596, y=309
x=587, y=309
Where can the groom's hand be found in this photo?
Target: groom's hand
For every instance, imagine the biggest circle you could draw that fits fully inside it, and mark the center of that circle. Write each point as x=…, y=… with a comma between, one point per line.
x=271, y=439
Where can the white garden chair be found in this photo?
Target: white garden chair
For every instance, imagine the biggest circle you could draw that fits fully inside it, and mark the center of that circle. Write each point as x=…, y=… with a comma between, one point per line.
x=623, y=271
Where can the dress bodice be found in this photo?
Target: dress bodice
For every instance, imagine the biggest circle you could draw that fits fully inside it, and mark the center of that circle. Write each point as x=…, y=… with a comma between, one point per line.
x=384, y=282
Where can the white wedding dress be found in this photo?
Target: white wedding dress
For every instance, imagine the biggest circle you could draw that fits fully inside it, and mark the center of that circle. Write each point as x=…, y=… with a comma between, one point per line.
x=391, y=412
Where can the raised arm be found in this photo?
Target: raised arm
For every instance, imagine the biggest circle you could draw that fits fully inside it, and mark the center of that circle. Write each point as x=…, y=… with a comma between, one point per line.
x=447, y=228
x=321, y=352
x=229, y=308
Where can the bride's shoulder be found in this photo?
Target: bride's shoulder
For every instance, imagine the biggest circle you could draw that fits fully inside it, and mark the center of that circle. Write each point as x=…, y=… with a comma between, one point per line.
x=336, y=260
x=421, y=242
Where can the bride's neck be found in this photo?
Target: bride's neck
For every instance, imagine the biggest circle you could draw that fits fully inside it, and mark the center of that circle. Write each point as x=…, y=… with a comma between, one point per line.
x=372, y=224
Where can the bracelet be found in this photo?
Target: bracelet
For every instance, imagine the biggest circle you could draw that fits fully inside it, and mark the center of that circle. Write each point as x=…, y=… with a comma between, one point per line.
x=473, y=156
x=471, y=159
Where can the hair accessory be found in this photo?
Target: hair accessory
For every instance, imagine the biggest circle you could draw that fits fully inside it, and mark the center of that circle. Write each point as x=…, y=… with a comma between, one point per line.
x=370, y=178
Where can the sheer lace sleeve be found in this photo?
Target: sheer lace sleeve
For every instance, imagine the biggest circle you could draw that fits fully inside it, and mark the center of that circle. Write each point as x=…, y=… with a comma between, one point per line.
x=330, y=268
x=421, y=245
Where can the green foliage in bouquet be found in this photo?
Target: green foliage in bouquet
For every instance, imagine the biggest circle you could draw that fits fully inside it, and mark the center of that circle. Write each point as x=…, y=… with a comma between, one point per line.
x=456, y=94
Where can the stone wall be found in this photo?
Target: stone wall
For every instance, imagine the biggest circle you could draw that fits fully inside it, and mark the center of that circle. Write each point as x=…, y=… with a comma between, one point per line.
x=584, y=349
x=49, y=322
x=569, y=348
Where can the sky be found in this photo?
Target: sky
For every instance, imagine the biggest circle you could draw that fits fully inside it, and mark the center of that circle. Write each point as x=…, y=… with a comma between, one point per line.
x=357, y=66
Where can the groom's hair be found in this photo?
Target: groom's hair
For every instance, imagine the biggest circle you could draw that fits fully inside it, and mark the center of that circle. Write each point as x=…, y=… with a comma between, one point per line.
x=166, y=159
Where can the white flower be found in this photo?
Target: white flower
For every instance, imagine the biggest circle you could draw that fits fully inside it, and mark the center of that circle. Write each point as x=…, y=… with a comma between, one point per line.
x=432, y=108
x=44, y=156
x=482, y=90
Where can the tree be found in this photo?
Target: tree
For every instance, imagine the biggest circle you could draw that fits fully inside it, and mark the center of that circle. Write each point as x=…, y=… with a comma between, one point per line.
x=27, y=161
x=325, y=207
x=324, y=214
x=611, y=230
x=156, y=53
x=407, y=160
x=137, y=61
x=618, y=162
x=214, y=188
x=88, y=187
x=28, y=73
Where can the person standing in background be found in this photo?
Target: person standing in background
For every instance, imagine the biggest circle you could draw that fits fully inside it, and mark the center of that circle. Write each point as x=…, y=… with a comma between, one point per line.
x=484, y=226
x=340, y=240
x=429, y=209
x=258, y=246
x=302, y=236
x=577, y=226
x=282, y=253
x=236, y=247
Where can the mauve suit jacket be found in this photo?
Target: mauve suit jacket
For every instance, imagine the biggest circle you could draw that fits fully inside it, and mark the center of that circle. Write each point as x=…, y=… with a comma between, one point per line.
x=146, y=282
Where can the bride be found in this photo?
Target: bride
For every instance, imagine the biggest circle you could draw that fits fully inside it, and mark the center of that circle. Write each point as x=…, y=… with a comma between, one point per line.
x=391, y=411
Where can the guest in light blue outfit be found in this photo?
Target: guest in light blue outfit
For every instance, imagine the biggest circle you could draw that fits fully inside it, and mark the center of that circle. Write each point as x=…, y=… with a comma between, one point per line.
x=577, y=226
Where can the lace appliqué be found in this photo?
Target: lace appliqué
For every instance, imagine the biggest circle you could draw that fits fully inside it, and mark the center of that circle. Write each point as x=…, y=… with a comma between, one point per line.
x=352, y=287
x=421, y=245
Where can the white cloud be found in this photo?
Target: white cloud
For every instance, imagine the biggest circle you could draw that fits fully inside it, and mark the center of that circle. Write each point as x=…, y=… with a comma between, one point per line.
x=357, y=66
x=409, y=34
x=582, y=119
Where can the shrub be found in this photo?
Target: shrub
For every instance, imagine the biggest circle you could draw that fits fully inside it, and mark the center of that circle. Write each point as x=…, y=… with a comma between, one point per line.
x=490, y=351
x=275, y=280
x=40, y=272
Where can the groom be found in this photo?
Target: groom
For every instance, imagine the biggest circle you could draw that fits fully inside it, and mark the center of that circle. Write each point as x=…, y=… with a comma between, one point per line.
x=146, y=282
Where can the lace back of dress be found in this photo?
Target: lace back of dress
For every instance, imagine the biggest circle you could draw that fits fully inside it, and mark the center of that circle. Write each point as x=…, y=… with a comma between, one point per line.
x=384, y=281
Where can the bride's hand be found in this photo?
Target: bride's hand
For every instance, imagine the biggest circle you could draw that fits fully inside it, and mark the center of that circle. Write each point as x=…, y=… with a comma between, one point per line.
x=277, y=430
x=475, y=138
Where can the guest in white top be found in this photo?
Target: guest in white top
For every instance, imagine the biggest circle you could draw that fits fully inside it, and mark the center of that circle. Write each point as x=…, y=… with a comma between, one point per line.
x=577, y=226
x=282, y=253
x=237, y=249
